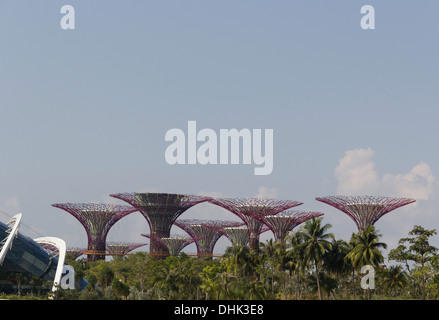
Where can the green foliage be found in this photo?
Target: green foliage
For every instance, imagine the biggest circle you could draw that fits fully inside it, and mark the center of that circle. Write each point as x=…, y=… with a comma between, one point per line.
x=418, y=250
x=316, y=245
x=311, y=264
x=366, y=249
x=394, y=279
x=212, y=281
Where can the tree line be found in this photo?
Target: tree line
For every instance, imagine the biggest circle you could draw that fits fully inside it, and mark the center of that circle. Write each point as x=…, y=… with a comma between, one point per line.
x=310, y=264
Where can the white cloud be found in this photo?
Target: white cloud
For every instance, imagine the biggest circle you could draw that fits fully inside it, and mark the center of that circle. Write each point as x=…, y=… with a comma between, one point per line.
x=212, y=194
x=264, y=192
x=356, y=174
x=418, y=183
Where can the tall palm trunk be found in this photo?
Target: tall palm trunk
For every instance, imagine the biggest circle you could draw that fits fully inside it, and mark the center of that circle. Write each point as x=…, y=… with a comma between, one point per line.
x=353, y=283
x=318, y=281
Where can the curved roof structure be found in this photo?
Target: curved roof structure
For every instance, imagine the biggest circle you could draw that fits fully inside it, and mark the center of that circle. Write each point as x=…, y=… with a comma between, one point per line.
x=11, y=233
x=26, y=257
x=41, y=258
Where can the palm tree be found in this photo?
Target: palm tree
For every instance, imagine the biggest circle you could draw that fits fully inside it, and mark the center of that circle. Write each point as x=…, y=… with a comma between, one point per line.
x=335, y=262
x=168, y=281
x=335, y=257
x=211, y=280
x=316, y=245
x=394, y=279
x=275, y=253
x=327, y=284
x=237, y=257
x=349, y=262
x=366, y=249
x=294, y=258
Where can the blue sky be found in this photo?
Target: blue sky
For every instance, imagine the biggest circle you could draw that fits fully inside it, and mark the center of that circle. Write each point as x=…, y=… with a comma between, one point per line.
x=84, y=112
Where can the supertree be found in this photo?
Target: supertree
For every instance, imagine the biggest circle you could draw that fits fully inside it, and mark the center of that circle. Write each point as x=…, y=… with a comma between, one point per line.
x=239, y=236
x=174, y=244
x=206, y=233
x=365, y=210
x=50, y=249
x=97, y=219
x=286, y=221
x=76, y=252
x=221, y=226
x=252, y=210
x=160, y=210
x=120, y=249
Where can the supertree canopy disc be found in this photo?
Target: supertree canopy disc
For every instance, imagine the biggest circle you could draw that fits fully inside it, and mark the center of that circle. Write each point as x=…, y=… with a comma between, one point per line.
x=174, y=244
x=286, y=221
x=160, y=210
x=97, y=220
x=205, y=233
x=365, y=210
x=239, y=236
x=76, y=252
x=252, y=210
x=119, y=248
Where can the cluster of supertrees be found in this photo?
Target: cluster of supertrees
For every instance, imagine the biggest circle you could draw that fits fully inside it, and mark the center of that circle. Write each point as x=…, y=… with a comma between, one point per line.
x=256, y=215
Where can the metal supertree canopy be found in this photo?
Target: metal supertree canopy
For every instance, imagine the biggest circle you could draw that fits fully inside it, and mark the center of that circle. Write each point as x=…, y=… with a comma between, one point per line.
x=365, y=210
x=286, y=221
x=51, y=249
x=252, y=210
x=76, y=252
x=220, y=226
x=97, y=219
x=206, y=233
x=239, y=236
x=116, y=248
x=160, y=210
x=175, y=243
